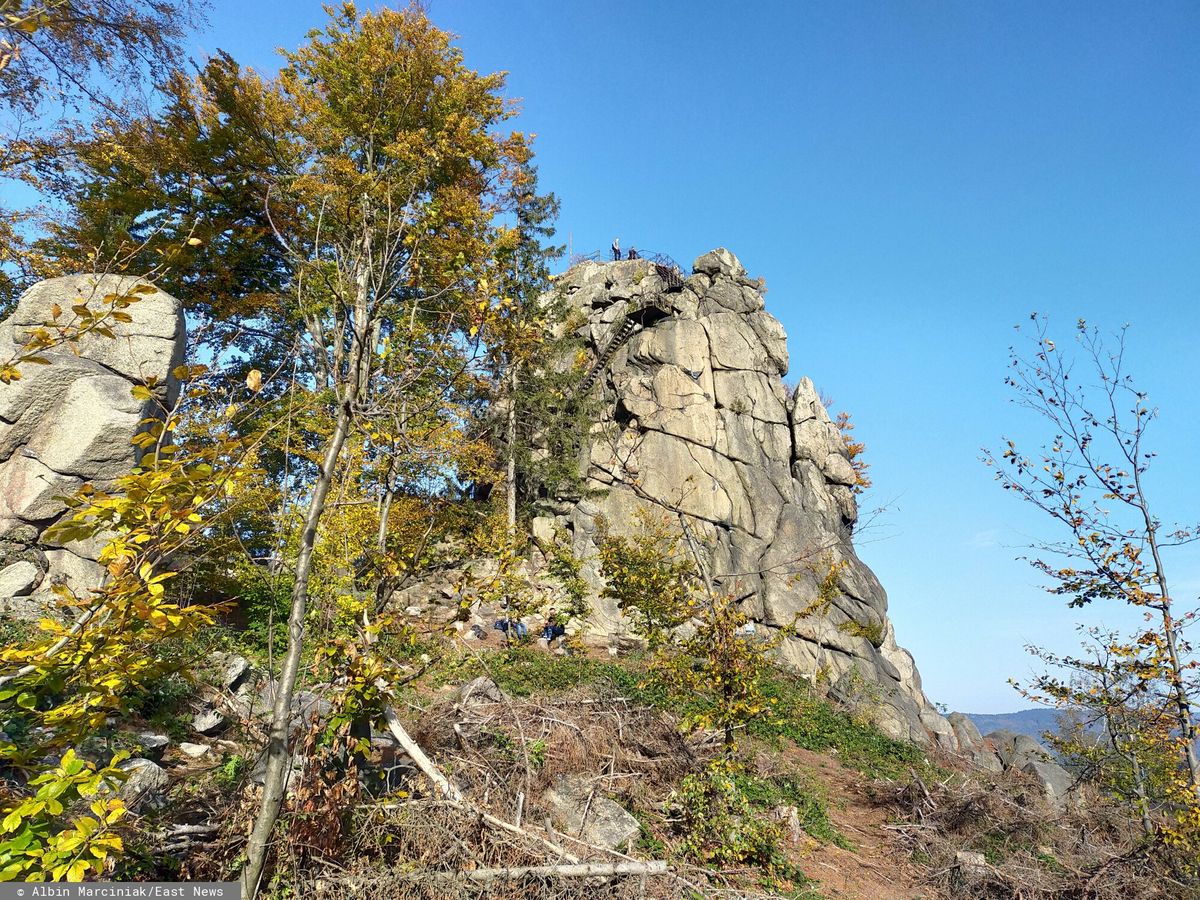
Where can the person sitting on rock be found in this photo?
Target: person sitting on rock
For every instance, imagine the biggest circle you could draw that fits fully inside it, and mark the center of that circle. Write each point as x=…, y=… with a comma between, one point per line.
x=633, y=254
x=553, y=627
x=515, y=626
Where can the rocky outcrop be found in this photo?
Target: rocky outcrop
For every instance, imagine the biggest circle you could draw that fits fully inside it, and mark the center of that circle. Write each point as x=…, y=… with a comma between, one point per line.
x=71, y=421
x=1024, y=754
x=698, y=422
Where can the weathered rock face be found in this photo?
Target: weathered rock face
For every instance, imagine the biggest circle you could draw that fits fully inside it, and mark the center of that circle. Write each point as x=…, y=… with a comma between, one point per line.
x=71, y=422
x=699, y=422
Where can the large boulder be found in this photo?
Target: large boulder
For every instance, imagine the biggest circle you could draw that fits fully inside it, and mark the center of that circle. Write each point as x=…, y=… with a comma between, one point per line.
x=589, y=815
x=696, y=420
x=1026, y=755
x=70, y=421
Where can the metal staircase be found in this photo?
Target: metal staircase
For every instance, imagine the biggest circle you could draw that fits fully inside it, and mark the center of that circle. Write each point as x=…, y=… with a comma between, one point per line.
x=646, y=313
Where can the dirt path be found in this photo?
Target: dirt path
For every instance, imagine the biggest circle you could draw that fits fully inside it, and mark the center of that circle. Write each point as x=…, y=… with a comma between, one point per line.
x=877, y=868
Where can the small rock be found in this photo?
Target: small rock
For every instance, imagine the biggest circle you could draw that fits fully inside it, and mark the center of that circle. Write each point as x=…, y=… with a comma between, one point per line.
x=19, y=578
x=478, y=692
x=232, y=669
x=153, y=744
x=608, y=824
x=543, y=530
x=790, y=817
x=1015, y=750
x=413, y=611
x=195, y=751
x=208, y=721
x=22, y=534
x=258, y=774
x=987, y=760
x=970, y=866
x=145, y=785
x=308, y=707
x=1055, y=781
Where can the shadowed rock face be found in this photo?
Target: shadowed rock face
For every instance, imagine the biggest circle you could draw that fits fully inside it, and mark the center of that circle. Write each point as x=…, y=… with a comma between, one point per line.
x=697, y=421
x=71, y=422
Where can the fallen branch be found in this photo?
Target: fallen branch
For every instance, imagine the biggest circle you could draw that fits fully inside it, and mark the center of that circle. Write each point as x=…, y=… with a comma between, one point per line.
x=575, y=870
x=417, y=755
x=449, y=791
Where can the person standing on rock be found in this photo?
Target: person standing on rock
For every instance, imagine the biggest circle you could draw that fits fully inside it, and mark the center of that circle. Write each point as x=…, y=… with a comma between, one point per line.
x=616, y=249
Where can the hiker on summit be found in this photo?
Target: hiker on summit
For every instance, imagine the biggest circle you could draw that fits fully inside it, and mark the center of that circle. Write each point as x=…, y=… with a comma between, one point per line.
x=616, y=249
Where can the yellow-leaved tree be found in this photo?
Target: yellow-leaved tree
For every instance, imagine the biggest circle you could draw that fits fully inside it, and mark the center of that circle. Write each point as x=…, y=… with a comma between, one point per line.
x=1090, y=478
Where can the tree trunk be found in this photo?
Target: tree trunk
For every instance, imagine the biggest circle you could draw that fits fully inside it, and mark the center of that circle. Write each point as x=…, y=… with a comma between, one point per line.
x=1115, y=735
x=278, y=749
x=1183, y=706
x=511, y=437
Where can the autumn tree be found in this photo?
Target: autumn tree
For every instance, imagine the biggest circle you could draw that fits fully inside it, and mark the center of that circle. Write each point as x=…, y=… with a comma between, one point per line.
x=383, y=168
x=519, y=323
x=64, y=66
x=1116, y=727
x=1090, y=477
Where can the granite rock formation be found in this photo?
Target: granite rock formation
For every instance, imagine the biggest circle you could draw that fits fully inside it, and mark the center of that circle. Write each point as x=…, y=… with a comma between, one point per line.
x=697, y=421
x=71, y=422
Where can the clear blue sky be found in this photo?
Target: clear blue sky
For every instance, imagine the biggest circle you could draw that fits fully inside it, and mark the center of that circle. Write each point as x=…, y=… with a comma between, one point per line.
x=912, y=179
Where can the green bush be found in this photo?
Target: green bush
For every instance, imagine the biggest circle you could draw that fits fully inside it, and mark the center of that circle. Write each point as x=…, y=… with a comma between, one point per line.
x=718, y=823
x=264, y=604
x=794, y=790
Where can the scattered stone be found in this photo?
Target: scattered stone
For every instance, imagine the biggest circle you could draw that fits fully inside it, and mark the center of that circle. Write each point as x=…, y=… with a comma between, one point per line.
x=1015, y=750
x=986, y=759
x=208, y=721
x=789, y=817
x=608, y=824
x=153, y=744
x=1055, y=781
x=145, y=786
x=195, y=751
x=232, y=669
x=970, y=867
x=18, y=579
x=309, y=707
x=479, y=692
x=543, y=529
x=23, y=535
x=258, y=773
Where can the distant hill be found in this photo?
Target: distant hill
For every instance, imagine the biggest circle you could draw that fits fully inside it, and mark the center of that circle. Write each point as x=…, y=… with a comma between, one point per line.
x=1033, y=722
